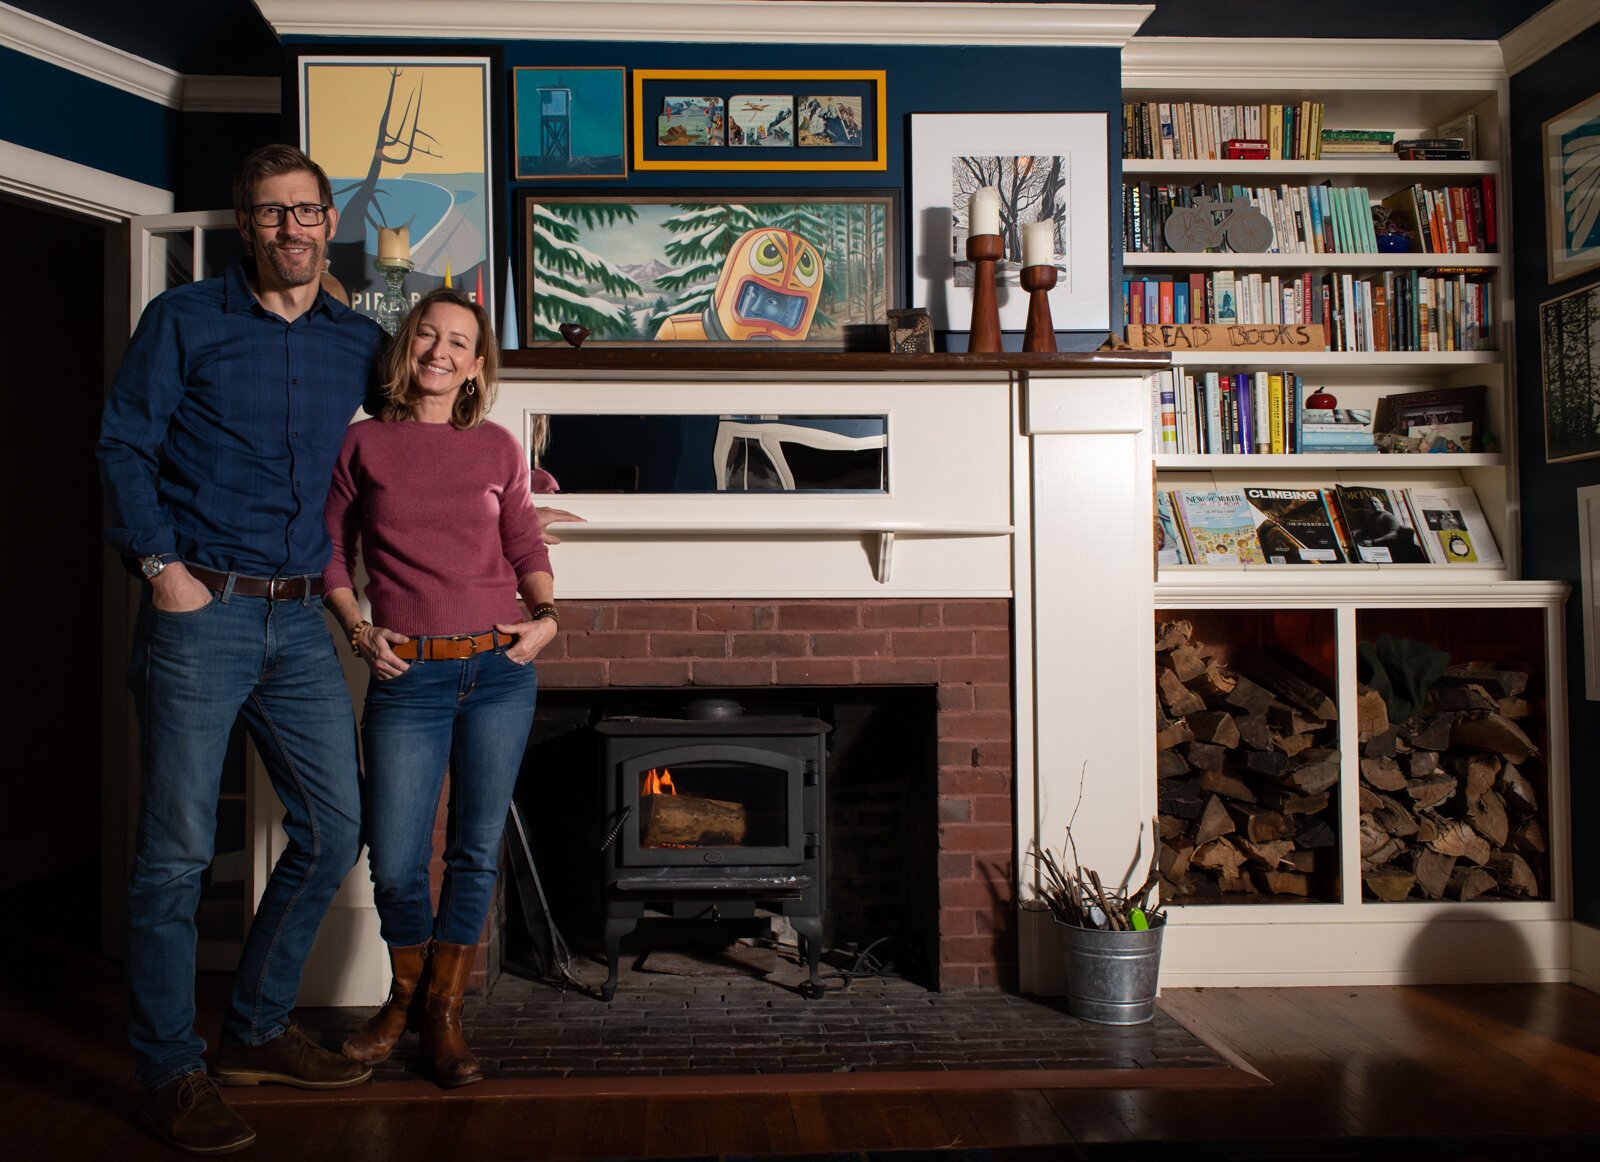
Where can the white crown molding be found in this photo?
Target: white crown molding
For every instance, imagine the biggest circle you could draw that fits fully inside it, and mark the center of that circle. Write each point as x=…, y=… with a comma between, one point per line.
x=203, y=94
x=1202, y=63
x=64, y=48
x=715, y=21
x=79, y=188
x=1545, y=31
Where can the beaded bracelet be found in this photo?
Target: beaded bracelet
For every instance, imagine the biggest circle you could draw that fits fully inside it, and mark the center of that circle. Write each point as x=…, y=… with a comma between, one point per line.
x=355, y=635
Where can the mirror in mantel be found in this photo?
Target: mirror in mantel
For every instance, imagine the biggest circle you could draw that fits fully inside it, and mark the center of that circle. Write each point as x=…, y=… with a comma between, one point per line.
x=718, y=453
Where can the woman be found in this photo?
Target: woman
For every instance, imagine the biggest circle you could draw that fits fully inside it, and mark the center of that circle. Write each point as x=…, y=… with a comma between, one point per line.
x=439, y=501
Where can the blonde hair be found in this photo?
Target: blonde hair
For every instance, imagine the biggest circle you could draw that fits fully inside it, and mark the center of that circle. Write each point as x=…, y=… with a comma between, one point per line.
x=470, y=410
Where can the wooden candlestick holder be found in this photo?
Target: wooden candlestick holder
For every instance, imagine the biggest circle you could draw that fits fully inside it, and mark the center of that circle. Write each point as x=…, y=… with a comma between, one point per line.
x=1040, y=333
x=984, y=250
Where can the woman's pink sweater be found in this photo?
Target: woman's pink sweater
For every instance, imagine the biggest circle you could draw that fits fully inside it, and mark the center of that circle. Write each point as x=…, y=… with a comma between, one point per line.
x=445, y=519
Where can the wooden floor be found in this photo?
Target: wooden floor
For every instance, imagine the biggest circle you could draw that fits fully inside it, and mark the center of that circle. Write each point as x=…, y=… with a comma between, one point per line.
x=1343, y=1062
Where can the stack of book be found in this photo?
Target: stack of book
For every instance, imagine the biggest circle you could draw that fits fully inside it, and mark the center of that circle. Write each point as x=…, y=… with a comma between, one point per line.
x=1432, y=149
x=1323, y=524
x=1356, y=142
x=1340, y=430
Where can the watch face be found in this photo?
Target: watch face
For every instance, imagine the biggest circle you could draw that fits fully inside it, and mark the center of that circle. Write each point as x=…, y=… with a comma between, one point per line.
x=152, y=565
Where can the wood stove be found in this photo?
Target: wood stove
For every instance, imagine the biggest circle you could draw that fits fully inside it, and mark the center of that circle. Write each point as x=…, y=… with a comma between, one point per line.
x=715, y=815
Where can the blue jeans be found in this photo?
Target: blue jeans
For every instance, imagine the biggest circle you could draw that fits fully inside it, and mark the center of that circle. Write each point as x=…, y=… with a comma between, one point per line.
x=192, y=675
x=471, y=716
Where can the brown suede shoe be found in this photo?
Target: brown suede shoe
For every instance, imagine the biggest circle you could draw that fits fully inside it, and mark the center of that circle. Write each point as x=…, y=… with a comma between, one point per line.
x=188, y=1113
x=291, y=1059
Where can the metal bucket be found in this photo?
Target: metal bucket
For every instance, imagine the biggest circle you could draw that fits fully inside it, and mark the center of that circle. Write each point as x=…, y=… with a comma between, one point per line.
x=1111, y=976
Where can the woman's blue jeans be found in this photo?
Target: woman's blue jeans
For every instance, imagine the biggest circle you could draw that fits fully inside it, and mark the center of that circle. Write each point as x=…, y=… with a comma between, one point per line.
x=471, y=717
x=193, y=674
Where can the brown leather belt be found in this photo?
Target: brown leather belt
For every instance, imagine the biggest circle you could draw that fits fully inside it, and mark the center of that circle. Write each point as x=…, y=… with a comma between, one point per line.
x=450, y=649
x=272, y=588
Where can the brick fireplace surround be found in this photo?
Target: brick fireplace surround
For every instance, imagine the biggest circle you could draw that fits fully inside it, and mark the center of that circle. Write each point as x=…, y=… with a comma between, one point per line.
x=960, y=647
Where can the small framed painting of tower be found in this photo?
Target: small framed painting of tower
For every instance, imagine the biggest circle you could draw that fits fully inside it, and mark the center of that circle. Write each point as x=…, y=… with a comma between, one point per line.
x=571, y=123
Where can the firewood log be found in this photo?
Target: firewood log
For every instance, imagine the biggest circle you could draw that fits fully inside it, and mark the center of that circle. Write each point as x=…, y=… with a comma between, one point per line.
x=1389, y=885
x=1367, y=799
x=1291, y=687
x=1468, y=883
x=1263, y=762
x=1372, y=714
x=1229, y=786
x=1527, y=837
x=1428, y=731
x=1493, y=731
x=1383, y=773
x=1514, y=707
x=1175, y=733
x=1234, y=880
x=1315, y=832
x=1373, y=837
x=1253, y=731
x=1215, y=726
x=1172, y=634
x=1488, y=816
x=1288, y=720
x=1173, y=859
x=1267, y=855
x=1290, y=745
x=1383, y=744
x=1434, y=869
x=1457, y=838
x=1176, y=697
x=1248, y=696
x=1170, y=827
x=1420, y=764
x=1520, y=793
x=687, y=819
x=1431, y=790
x=1259, y=824
x=1184, y=661
x=1429, y=825
x=1301, y=860
x=1218, y=856
x=1280, y=882
x=1314, y=771
x=1513, y=875
x=1470, y=697
x=1205, y=757
x=1170, y=765
x=1500, y=683
x=1214, y=821
x=1214, y=680
x=1394, y=818
x=1290, y=801
x=1180, y=797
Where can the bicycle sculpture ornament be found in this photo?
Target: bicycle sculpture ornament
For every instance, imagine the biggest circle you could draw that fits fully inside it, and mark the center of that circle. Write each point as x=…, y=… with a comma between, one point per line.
x=1209, y=223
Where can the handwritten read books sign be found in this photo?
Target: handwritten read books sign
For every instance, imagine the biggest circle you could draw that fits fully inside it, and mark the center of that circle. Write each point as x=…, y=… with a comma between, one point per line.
x=1228, y=336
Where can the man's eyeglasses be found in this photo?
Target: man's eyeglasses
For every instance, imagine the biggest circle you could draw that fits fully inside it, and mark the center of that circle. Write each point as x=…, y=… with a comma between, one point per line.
x=306, y=213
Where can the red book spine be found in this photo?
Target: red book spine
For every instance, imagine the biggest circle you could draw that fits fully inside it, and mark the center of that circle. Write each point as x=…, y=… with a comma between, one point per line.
x=1488, y=211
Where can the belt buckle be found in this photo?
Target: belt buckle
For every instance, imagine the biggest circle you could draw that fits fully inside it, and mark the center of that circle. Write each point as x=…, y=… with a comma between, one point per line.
x=470, y=638
x=272, y=588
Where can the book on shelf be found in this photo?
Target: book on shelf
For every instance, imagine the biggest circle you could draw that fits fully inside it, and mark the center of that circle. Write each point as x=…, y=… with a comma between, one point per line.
x=1429, y=143
x=1218, y=525
x=1453, y=525
x=1433, y=154
x=1245, y=149
x=1294, y=526
x=1378, y=525
x=1169, y=537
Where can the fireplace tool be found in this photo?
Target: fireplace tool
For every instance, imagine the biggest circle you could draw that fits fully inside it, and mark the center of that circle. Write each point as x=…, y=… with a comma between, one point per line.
x=550, y=951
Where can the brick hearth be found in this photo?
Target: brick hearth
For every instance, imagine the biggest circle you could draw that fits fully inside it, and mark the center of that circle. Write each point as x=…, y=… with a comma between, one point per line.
x=960, y=647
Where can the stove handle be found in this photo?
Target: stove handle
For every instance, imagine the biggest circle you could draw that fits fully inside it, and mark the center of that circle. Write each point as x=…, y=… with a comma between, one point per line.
x=616, y=828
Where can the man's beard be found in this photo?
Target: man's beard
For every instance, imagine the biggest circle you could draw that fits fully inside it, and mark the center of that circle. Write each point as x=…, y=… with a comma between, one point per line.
x=293, y=272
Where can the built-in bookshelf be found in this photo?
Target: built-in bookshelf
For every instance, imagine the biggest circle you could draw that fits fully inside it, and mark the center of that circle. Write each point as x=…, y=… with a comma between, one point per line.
x=1307, y=275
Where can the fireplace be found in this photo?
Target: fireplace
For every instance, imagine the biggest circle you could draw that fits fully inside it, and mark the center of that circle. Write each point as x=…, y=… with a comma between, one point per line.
x=715, y=815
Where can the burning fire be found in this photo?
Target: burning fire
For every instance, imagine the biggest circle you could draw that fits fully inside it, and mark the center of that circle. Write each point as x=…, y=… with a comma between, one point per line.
x=658, y=783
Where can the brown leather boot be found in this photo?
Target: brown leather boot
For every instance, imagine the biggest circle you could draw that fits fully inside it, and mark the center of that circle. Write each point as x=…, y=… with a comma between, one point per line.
x=401, y=1013
x=443, y=1045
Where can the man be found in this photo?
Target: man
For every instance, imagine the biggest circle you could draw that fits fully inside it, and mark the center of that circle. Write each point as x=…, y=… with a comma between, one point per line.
x=216, y=450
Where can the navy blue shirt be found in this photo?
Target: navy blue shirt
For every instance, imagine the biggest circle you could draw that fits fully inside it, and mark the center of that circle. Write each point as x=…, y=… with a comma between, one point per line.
x=220, y=433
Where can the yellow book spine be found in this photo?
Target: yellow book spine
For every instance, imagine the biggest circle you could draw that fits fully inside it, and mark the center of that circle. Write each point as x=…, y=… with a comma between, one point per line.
x=1275, y=411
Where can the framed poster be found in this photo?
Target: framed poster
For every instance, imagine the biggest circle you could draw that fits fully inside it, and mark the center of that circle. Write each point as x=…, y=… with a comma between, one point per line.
x=806, y=266
x=1572, y=189
x=1569, y=365
x=1047, y=167
x=570, y=123
x=774, y=119
x=407, y=140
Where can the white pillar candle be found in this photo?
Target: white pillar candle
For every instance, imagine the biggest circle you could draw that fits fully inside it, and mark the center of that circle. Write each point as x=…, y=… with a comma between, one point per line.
x=394, y=245
x=1039, y=244
x=983, y=211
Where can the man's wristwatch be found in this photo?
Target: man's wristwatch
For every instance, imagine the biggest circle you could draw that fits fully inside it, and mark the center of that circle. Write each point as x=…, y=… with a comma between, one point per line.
x=154, y=563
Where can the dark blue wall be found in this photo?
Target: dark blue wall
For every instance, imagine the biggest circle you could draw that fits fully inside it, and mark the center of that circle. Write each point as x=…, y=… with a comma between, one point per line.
x=1549, y=500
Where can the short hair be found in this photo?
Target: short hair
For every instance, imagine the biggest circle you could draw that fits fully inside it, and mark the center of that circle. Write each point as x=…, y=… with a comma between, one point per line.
x=270, y=161
x=395, y=371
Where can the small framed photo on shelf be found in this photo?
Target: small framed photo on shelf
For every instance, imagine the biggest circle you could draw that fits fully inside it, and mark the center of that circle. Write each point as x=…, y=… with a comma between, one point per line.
x=1449, y=419
x=571, y=123
x=775, y=119
x=811, y=267
x=1569, y=365
x=1572, y=188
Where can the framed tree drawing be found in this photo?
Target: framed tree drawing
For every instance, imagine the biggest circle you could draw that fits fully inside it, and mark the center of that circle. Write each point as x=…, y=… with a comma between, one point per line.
x=806, y=267
x=1047, y=167
x=1572, y=189
x=1569, y=362
x=407, y=140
